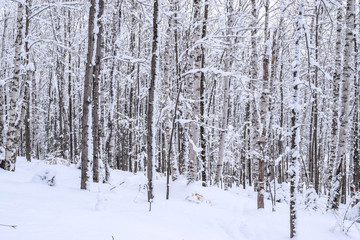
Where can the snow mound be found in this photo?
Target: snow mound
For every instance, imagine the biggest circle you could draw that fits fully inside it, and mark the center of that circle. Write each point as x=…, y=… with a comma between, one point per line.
x=47, y=176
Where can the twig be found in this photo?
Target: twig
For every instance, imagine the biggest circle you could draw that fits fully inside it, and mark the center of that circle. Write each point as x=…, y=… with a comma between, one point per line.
x=345, y=215
x=5, y=225
x=355, y=221
x=117, y=186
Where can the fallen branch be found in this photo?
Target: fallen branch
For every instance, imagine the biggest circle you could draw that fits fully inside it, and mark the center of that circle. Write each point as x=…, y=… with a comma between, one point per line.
x=117, y=186
x=357, y=220
x=5, y=225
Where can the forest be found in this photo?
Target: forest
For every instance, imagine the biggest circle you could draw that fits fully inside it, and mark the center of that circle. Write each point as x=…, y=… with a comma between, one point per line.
x=251, y=94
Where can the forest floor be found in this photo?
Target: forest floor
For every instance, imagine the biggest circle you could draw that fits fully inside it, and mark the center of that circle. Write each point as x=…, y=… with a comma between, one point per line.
x=120, y=210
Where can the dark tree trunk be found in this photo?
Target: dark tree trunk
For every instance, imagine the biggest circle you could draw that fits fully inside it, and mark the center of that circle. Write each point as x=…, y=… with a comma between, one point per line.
x=88, y=86
x=151, y=103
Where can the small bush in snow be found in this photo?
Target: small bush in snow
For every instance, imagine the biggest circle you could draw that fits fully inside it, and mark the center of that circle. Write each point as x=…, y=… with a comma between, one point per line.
x=47, y=177
x=282, y=192
x=311, y=199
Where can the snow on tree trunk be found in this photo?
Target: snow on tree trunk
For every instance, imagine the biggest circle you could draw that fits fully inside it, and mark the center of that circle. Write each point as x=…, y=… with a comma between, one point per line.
x=27, y=85
x=252, y=108
x=333, y=163
x=295, y=125
x=98, y=31
x=195, y=57
x=151, y=144
x=12, y=135
x=110, y=139
x=203, y=139
x=263, y=112
x=2, y=116
x=345, y=85
x=2, y=84
x=86, y=144
x=355, y=185
x=224, y=116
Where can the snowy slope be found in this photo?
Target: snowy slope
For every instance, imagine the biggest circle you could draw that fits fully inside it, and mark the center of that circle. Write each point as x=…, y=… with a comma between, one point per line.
x=64, y=212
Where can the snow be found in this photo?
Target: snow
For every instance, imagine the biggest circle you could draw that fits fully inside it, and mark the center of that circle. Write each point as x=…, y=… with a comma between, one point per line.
x=30, y=67
x=96, y=30
x=120, y=210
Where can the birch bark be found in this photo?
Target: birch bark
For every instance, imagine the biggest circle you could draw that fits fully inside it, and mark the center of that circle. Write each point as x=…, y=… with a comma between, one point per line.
x=295, y=125
x=195, y=86
x=345, y=87
x=225, y=105
x=14, y=119
x=87, y=101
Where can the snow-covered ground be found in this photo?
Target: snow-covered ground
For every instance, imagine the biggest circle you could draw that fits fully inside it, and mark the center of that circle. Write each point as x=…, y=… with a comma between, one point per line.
x=120, y=211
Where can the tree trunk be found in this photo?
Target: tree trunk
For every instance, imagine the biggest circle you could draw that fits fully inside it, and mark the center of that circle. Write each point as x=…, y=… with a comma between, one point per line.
x=2, y=88
x=202, y=102
x=110, y=139
x=195, y=59
x=339, y=179
x=253, y=129
x=224, y=116
x=151, y=104
x=315, y=150
x=86, y=143
x=333, y=160
x=27, y=85
x=295, y=126
x=13, y=126
x=70, y=93
x=98, y=30
x=355, y=184
x=263, y=112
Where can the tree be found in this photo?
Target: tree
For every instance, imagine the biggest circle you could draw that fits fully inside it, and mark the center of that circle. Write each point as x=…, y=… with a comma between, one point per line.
x=224, y=118
x=263, y=112
x=335, y=99
x=98, y=32
x=92, y=72
x=339, y=173
x=27, y=80
x=2, y=89
x=152, y=102
x=295, y=128
x=195, y=60
x=12, y=135
x=203, y=144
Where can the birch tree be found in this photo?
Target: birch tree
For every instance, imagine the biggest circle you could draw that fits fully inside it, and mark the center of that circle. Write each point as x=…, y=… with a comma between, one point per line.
x=195, y=59
x=295, y=128
x=263, y=111
x=14, y=118
x=339, y=172
x=224, y=118
x=96, y=62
